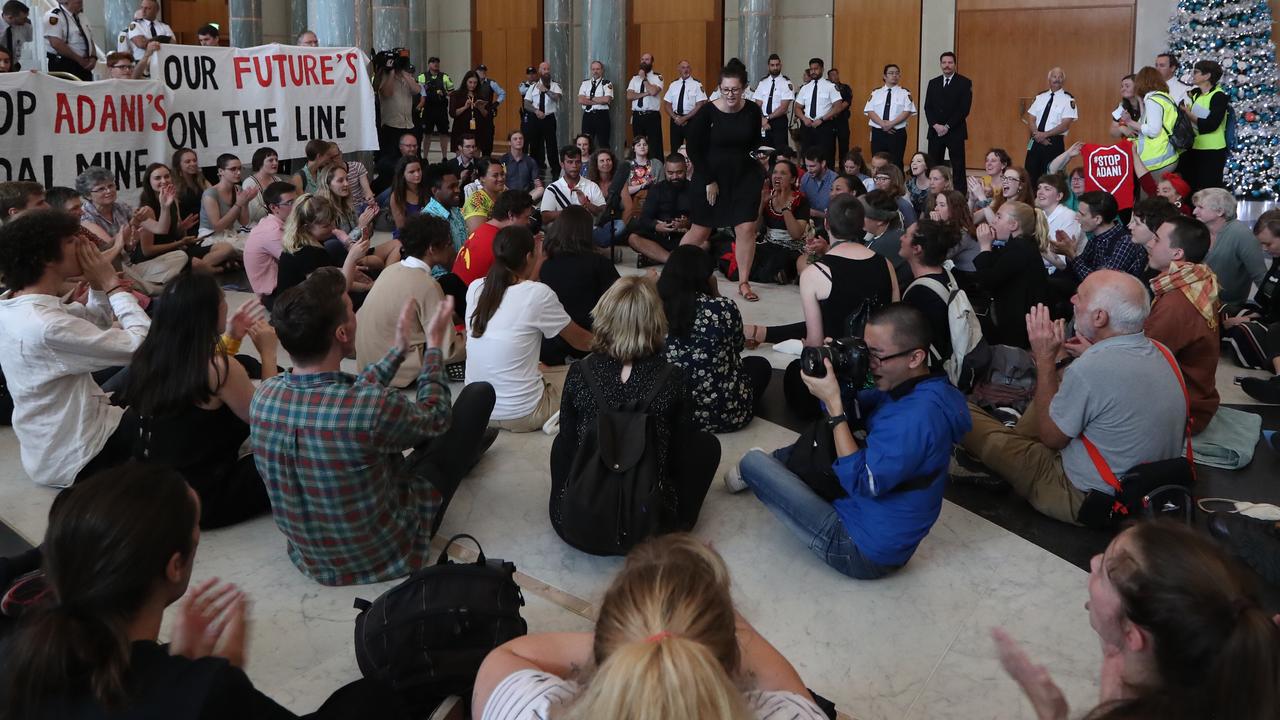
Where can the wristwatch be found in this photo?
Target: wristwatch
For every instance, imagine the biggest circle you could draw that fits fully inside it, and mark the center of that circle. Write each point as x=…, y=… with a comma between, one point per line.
x=835, y=420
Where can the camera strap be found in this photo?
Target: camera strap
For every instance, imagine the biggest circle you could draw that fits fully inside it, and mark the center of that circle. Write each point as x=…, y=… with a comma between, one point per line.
x=1100, y=462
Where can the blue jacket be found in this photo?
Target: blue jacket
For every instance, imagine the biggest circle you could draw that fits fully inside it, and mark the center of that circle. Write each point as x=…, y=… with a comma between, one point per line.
x=895, y=483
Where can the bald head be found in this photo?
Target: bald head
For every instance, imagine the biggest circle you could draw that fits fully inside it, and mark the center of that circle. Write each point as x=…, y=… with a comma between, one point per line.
x=1110, y=303
x=1057, y=78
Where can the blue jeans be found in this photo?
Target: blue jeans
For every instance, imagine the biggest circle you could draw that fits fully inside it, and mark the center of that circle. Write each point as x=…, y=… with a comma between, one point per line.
x=806, y=515
x=608, y=234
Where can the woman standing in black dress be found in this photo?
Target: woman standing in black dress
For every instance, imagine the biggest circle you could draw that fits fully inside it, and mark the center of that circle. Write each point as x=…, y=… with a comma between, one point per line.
x=727, y=180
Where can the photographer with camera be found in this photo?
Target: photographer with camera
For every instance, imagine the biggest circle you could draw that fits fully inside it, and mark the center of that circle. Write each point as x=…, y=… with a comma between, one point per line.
x=396, y=92
x=866, y=514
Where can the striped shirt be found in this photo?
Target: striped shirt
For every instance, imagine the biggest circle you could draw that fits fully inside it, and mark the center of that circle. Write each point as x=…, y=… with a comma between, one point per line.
x=536, y=695
x=330, y=449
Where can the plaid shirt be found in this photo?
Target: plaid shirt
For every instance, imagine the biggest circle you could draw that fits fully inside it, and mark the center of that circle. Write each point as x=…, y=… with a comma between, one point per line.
x=330, y=449
x=1112, y=249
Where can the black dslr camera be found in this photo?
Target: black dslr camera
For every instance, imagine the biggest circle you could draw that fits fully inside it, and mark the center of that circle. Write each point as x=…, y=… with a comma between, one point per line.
x=849, y=357
x=393, y=59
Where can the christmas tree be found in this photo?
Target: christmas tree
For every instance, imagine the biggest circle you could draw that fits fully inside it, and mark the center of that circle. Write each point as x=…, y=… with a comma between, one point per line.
x=1238, y=36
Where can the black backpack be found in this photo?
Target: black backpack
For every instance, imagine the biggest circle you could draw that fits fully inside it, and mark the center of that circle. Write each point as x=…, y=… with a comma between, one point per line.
x=612, y=496
x=427, y=636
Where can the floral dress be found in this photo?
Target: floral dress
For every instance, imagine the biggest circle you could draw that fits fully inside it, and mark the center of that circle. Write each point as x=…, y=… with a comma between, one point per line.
x=711, y=356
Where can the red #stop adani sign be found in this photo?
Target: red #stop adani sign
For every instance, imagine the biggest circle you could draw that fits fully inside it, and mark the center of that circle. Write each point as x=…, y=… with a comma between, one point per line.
x=1109, y=168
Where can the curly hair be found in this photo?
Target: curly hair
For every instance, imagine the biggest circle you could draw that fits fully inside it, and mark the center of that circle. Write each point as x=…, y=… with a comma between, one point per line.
x=31, y=241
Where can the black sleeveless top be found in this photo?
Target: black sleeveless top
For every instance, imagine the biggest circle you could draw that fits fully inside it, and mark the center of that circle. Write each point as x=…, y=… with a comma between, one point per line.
x=853, y=282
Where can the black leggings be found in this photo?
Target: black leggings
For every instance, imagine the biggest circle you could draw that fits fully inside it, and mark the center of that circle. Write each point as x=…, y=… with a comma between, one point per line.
x=232, y=496
x=698, y=459
x=445, y=459
x=780, y=333
x=117, y=450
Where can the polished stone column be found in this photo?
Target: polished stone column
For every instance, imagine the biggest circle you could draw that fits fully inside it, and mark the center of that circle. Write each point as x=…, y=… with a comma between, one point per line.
x=341, y=23
x=755, y=26
x=117, y=14
x=557, y=21
x=297, y=18
x=419, y=19
x=606, y=31
x=390, y=24
x=246, y=23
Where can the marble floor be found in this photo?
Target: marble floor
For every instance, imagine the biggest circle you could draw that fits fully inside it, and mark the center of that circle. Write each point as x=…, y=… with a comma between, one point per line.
x=915, y=645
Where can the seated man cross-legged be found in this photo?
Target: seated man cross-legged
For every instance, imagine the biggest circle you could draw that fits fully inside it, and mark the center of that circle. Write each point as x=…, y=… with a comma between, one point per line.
x=893, y=486
x=330, y=446
x=1122, y=393
x=665, y=216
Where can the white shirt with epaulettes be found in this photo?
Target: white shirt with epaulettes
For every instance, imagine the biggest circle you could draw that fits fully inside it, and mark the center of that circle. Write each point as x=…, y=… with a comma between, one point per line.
x=781, y=88
x=693, y=94
x=899, y=101
x=148, y=29
x=603, y=88
x=828, y=95
x=60, y=23
x=647, y=103
x=534, y=96
x=1064, y=106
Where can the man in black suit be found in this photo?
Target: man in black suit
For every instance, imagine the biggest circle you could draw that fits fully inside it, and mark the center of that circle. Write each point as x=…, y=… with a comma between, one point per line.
x=946, y=107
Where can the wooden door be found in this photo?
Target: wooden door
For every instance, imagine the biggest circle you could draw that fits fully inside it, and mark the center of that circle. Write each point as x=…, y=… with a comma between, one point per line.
x=869, y=34
x=186, y=16
x=506, y=35
x=1007, y=48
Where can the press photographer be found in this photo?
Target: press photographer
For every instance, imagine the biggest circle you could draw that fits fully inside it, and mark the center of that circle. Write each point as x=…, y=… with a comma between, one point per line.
x=885, y=493
x=397, y=92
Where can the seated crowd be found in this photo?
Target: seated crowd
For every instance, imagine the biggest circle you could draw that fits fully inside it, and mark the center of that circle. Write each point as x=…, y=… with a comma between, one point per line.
x=122, y=358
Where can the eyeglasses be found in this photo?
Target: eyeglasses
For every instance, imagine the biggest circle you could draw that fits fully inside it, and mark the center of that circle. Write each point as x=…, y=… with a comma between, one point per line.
x=121, y=67
x=881, y=359
x=730, y=91
x=879, y=178
x=103, y=189
x=1014, y=179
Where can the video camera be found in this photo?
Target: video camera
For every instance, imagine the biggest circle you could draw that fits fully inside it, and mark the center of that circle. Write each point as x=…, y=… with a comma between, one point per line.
x=849, y=356
x=395, y=59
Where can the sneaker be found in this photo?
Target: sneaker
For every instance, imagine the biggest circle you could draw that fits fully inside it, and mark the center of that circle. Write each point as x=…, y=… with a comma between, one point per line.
x=450, y=709
x=968, y=470
x=1007, y=415
x=733, y=481
x=1266, y=390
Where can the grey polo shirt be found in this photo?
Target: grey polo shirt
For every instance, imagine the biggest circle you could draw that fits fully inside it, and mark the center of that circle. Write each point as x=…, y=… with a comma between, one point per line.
x=1123, y=395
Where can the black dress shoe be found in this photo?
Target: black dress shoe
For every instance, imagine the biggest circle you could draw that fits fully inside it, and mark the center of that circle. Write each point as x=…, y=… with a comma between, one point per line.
x=1265, y=390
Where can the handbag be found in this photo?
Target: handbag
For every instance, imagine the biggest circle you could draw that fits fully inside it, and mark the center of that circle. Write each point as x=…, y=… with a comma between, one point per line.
x=1158, y=488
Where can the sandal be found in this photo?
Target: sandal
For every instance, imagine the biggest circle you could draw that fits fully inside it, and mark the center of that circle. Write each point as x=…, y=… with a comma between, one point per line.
x=751, y=342
x=749, y=295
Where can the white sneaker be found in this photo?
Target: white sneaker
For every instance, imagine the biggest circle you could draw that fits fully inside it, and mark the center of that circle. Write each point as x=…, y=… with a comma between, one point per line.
x=450, y=709
x=733, y=481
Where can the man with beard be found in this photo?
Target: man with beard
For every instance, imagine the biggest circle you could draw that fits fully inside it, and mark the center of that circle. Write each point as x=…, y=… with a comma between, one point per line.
x=665, y=216
x=644, y=92
x=542, y=102
x=774, y=95
x=1125, y=394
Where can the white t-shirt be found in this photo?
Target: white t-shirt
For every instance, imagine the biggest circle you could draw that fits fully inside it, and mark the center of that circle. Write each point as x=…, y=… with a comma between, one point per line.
x=535, y=695
x=550, y=201
x=1064, y=218
x=506, y=356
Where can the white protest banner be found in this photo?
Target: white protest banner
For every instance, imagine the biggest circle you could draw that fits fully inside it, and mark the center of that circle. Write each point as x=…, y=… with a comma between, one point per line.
x=52, y=129
x=281, y=96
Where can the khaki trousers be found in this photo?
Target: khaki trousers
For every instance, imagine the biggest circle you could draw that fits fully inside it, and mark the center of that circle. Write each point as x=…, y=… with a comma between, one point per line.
x=552, y=384
x=1033, y=469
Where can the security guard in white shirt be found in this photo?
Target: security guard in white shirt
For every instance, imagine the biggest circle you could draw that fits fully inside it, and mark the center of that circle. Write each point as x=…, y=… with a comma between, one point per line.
x=542, y=101
x=595, y=95
x=147, y=28
x=70, y=39
x=15, y=32
x=644, y=92
x=1048, y=119
x=684, y=96
x=774, y=95
x=816, y=104
x=888, y=111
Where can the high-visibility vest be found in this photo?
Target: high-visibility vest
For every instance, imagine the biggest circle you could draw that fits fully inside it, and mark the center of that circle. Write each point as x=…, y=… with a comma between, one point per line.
x=1217, y=138
x=1158, y=152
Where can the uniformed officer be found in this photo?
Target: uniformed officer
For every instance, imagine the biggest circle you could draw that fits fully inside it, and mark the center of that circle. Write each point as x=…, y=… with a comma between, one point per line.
x=774, y=95
x=644, y=92
x=683, y=98
x=15, y=31
x=543, y=101
x=841, y=121
x=887, y=113
x=433, y=107
x=1047, y=120
x=595, y=95
x=70, y=39
x=817, y=104
x=491, y=92
x=533, y=146
x=147, y=28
